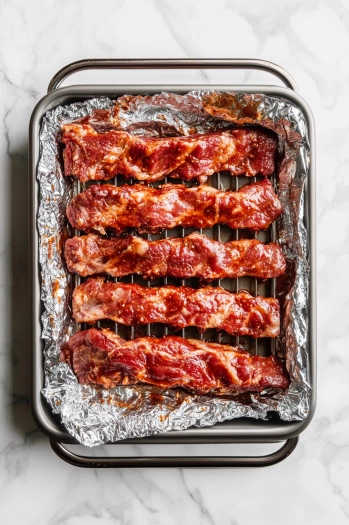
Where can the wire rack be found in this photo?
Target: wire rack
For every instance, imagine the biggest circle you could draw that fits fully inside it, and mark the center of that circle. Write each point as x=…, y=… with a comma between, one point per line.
x=265, y=288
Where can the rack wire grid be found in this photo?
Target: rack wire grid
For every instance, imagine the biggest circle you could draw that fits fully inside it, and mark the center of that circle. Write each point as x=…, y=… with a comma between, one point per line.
x=220, y=232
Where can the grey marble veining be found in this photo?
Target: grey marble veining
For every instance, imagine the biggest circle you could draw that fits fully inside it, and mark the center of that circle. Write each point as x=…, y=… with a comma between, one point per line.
x=311, y=40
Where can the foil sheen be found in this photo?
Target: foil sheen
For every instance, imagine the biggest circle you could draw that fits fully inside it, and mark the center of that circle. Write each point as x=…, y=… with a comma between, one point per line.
x=96, y=416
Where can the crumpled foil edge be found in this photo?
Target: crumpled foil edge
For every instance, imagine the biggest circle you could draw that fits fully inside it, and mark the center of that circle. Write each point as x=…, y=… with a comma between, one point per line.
x=97, y=416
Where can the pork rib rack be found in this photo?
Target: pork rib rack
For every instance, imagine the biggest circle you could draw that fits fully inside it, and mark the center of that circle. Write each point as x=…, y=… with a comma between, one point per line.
x=145, y=209
x=91, y=155
x=100, y=357
x=207, y=307
x=192, y=256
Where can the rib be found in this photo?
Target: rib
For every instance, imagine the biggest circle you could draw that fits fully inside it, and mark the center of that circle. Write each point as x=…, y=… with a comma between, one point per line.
x=192, y=256
x=207, y=307
x=145, y=209
x=101, y=358
x=90, y=155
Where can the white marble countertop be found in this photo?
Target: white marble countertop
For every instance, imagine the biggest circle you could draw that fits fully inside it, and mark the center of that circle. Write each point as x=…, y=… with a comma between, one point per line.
x=311, y=40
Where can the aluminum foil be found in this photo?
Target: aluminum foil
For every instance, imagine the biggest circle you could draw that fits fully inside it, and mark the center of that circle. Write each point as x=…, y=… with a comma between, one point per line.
x=96, y=416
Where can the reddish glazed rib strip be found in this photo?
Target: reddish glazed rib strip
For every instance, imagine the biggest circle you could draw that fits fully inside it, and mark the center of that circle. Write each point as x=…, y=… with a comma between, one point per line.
x=208, y=307
x=100, y=357
x=192, y=256
x=90, y=155
x=146, y=209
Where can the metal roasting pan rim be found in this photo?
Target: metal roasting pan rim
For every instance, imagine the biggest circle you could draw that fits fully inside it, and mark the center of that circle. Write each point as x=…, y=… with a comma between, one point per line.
x=242, y=430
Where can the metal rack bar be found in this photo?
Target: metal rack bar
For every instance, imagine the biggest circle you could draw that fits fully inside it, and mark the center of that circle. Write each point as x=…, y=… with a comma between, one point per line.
x=181, y=63
x=173, y=461
x=273, y=238
x=115, y=279
x=219, y=238
x=235, y=182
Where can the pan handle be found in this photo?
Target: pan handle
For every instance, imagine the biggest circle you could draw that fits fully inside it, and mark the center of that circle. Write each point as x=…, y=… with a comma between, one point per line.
x=177, y=63
x=173, y=461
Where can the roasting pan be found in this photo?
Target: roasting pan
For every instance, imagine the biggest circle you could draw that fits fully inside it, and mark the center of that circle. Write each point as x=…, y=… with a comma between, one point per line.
x=243, y=430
